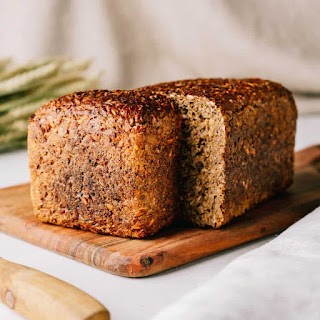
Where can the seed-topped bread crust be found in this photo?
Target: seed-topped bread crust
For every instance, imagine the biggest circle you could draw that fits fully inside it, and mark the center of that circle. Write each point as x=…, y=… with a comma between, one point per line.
x=231, y=95
x=106, y=161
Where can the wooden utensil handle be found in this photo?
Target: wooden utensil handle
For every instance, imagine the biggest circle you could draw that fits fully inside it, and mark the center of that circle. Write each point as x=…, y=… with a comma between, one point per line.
x=36, y=295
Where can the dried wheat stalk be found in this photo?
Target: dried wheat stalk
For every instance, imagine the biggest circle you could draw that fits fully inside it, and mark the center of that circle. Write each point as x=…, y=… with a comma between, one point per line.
x=23, y=90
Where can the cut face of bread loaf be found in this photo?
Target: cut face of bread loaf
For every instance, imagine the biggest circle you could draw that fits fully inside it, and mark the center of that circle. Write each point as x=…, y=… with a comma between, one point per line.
x=106, y=162
x=237, y=148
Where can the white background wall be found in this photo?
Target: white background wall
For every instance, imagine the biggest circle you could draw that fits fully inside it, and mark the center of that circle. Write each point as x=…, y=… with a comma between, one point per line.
x=137, y=42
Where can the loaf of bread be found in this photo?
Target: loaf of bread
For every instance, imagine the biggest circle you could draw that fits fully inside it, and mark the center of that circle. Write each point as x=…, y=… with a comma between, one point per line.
x=121, y=162
x=237, y=148
x=106, y=161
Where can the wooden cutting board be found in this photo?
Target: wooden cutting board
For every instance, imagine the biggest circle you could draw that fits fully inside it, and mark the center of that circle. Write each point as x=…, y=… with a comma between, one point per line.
x=174, y=246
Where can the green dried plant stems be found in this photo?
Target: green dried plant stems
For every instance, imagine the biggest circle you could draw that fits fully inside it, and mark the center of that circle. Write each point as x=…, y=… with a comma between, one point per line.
x=54, y=88
x=19, y=126
x=60, y=80
x=27, y=109
x=13, y=145
x=26, y=67
x=13, y=136
x=3, y=65
x=55, y=82
x=17, y=132
x=80, y=85
x=17, y=102
x=28, y=79
x=38, y=93
x=78, y=65
x=23, y=90
x=23, y=111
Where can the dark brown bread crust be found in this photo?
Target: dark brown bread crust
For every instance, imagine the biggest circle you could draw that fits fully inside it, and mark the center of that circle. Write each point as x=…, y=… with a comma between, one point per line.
x=106, y=162
x=259, y=123
x=230, y=95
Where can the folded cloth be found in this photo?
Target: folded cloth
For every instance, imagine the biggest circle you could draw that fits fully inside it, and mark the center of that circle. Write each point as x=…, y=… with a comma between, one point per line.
x=280, y=280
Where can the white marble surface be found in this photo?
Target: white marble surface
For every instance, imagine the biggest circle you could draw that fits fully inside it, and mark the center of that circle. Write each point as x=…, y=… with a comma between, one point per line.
x=125, y=298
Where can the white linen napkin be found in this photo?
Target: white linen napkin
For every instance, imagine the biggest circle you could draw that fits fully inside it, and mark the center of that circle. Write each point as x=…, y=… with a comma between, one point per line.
x=280, y=280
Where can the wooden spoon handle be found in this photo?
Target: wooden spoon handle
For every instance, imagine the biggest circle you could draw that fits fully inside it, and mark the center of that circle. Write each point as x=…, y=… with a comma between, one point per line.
x=36, y=295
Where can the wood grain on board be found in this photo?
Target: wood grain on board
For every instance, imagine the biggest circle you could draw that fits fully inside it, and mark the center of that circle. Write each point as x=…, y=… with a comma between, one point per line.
x=174, y=246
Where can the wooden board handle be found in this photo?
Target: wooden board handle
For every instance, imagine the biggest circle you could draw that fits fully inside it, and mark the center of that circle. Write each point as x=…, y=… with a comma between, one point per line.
x=307, y=157
x=36, y=295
